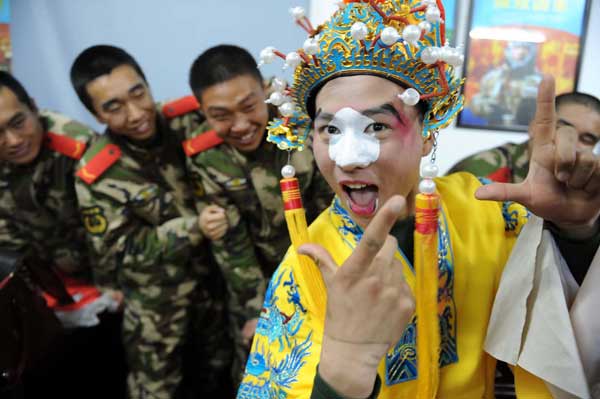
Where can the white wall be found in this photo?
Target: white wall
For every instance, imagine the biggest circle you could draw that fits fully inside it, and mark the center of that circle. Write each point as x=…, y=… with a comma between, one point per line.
x=456, y=143
x=164, y=36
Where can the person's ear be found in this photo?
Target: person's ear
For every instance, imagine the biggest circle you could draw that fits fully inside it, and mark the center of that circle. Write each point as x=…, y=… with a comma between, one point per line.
x=100, y=118
x=34, y=106
x=427, y=146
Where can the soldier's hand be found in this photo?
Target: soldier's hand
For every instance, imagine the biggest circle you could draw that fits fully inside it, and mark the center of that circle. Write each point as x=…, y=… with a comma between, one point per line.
x=248, y=331
x=563, y=184
x=119, y=298
x=368, y=305
x=213, y=222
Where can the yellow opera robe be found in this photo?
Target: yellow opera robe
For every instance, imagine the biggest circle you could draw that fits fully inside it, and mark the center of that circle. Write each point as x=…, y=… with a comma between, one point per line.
x=475, y=240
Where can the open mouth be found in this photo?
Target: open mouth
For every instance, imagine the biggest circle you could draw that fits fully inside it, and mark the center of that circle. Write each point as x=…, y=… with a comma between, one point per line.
x=143, y=128
x=20, y=151
x=246, y=138
x=362, y=198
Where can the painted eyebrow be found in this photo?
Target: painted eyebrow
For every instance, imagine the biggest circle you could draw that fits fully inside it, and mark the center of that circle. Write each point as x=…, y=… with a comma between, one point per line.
x=323, y=115
x=386, y=108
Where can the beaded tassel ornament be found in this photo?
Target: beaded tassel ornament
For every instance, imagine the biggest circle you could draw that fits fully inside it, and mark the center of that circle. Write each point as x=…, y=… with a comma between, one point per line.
x=427, y=276
x=295, y=218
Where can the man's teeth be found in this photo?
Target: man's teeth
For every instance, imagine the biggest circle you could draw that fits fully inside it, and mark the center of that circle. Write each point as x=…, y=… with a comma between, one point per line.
x=356, y=186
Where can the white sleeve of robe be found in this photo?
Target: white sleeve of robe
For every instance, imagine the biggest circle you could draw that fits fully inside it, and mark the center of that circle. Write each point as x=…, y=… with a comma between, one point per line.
x=543, y=322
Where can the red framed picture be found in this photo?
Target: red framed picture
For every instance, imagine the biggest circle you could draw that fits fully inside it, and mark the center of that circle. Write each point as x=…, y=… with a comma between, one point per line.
x=511, y=44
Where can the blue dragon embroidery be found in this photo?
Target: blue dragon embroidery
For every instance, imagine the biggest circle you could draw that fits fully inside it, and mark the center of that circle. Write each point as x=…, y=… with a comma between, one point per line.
x=401, y=361
x=274, y=323
x=272, y=379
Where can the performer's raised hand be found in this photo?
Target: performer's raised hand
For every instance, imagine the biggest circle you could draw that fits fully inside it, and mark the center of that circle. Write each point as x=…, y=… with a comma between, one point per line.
x=368, y=305
x=563, y=184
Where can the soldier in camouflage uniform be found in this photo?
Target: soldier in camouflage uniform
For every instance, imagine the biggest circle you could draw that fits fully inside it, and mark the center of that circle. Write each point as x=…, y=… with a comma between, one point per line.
x=38, y=205
x=240, y=172
x=140, y=218
x=39, y=221
x=509, y=163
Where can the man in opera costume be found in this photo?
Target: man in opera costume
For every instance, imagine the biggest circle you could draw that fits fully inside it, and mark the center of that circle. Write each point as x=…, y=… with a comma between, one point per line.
x=389, y=293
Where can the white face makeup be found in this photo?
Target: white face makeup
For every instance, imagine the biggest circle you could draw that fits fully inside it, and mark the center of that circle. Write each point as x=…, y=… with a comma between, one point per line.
x=351, y=145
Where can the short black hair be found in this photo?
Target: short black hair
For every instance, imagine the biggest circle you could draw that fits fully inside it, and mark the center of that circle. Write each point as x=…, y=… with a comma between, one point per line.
x=8, y=81
x=576, y=97
x=96, y=61
x=219, y=64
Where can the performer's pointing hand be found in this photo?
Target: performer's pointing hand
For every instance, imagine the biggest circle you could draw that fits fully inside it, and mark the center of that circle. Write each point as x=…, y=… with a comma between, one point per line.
x=368, y=305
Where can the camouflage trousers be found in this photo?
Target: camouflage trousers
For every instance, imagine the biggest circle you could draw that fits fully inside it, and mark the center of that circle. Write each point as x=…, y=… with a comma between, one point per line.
x=240, y=353
x=252, y=284
x=177, y=341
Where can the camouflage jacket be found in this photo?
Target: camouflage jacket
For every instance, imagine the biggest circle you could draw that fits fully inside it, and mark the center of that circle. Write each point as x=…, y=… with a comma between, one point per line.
x=508, y=163
x=138, y=208
x=247, y=186
x=38, y=205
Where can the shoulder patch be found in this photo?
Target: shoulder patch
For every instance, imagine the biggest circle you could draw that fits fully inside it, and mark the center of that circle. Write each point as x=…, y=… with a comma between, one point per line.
x=65, y=145
x=94, y=220
x=501, y=175
x=179, y=107
x=99, y=163
x=201, y=142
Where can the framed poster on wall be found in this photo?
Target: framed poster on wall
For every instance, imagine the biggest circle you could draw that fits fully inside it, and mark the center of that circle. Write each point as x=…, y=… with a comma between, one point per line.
x=511, y=44
x=5, y=47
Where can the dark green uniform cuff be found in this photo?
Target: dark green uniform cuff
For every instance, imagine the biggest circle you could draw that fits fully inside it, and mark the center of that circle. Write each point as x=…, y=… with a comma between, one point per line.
x=322, y=390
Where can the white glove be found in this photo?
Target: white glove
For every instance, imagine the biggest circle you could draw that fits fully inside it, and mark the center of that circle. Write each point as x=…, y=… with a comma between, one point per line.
x=87, y=315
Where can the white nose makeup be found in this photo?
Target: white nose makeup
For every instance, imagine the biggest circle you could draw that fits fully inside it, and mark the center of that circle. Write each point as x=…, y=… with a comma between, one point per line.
x=352, y=146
